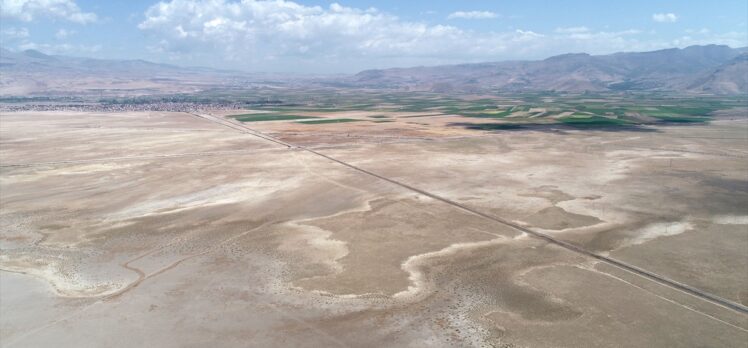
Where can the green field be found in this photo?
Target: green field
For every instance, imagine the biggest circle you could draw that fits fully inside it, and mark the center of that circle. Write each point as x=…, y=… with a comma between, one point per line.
x=492, y=126
x=593, y=121
x=629, y=109
x=267, y=117
x=682, y=119
x=330, y=120
x=489, y=114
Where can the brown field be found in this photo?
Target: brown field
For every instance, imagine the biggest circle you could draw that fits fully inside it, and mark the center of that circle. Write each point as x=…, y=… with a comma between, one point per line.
x=174, y=230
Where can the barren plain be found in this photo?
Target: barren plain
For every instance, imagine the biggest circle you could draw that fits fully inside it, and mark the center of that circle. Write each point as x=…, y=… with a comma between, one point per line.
x=178, y=229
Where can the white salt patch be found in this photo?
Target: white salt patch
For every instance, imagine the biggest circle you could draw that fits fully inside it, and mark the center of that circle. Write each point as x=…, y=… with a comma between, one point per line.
x=417, y=279
x=250, y=191
x=65, y=284
x=730, y=220
x=654, y=231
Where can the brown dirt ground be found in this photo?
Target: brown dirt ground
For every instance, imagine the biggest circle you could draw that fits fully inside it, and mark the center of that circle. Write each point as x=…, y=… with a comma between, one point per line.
x=163, y=229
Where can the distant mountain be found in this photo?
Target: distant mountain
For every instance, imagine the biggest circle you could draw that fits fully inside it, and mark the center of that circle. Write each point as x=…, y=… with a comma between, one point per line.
x=710, y=69
x=728, y=78
x=35, y=61
x=32, y=72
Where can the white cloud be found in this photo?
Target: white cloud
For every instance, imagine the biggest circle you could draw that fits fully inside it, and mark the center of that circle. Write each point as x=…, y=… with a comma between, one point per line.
x=473, y=15
x=284, y=28
x=279, y=35
x=62, y=34
x=584, y=34
x=572, y=30
x=665, y=17
x=29, y=10
x=13, y=33
x=698, y=31
x=732, y=39
x=63, y=48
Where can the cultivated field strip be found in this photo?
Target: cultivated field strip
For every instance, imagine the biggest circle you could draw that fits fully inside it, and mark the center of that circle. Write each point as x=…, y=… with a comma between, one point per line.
x=706, y=296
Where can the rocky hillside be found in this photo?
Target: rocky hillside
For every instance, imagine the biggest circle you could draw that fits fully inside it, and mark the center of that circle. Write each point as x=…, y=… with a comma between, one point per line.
x=712, y=68
x=729, y=78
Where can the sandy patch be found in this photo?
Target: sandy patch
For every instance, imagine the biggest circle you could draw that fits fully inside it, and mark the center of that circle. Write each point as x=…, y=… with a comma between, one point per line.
x=556, y=218
x=731, y=219
x=658, y=230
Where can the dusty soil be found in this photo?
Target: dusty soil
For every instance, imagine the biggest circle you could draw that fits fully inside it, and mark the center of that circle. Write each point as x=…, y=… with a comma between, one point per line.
x=165, y=229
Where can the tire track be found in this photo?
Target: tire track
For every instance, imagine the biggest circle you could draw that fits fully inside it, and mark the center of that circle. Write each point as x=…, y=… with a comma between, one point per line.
x=143, y=277
x=703, y=295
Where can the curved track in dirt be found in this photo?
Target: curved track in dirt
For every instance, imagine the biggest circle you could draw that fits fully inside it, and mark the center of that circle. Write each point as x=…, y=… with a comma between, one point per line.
x=553, y=240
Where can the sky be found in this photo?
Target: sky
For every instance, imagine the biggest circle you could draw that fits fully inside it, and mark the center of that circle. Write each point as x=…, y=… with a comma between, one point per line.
x=307, y=36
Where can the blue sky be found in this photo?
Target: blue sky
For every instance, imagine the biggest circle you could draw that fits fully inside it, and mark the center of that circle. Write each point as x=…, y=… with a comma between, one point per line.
x=347, y=36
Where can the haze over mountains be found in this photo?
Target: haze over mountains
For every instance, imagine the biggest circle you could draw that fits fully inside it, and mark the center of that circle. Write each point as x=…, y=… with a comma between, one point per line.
x=709, y=69
x=713, y=69
x=32, y=72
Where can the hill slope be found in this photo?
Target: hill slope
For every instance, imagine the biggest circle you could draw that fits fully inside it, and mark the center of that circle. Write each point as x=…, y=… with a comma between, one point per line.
x=670, y=69
x=32, y=72
x=729, y=78
x=699, y=69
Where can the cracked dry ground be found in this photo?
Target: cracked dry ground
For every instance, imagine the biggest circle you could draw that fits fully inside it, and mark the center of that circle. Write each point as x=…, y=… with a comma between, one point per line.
x=163, y=229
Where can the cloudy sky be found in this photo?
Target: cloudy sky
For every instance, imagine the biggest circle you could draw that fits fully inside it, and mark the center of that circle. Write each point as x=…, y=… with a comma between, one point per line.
x=346, y=36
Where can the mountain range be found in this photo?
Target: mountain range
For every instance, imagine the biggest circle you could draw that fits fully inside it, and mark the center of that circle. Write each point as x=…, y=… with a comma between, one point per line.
x=713, y=69
x=708, y=69
x=32, y=72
